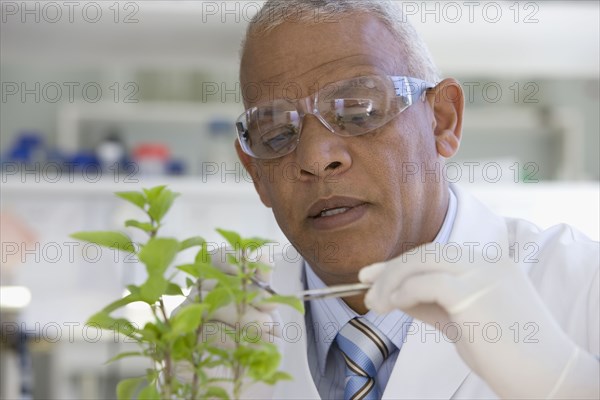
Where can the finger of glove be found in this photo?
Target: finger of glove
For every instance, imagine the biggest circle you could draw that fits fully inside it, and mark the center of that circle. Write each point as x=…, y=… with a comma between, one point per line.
x=410, y=263
x=370, y=273
x=220, y=260
x=261, y=303
x=429, y=288
x=266, y=323
x=393, y=277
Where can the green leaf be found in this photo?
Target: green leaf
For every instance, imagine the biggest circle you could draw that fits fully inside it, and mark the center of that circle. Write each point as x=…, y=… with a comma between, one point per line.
x=217, y=298
x=161, y=204
x=136, y=198
x=127, y=387
x=190, y=269
x=150, y=332
x=158, y=254
x=152, y=193
x=125, y=354
x=173, y=289
x=121, y=302
x=187, y=319
x=218, y=351
x=181, y=348
x=149, y=393
x=191, y=242
x=152, y=375
x=133, y=289
x=291, y=301
x=103, y=320
x=261, y=362
x=154, y=287
x=209, y=271
x=276, y=377
x=110, y=239
x=189, y=283
x=203, y=256
x=145, y=226
x=216, y=392
x=232, y=238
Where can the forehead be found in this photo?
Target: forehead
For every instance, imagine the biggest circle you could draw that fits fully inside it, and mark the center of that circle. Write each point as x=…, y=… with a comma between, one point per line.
x=307, y=55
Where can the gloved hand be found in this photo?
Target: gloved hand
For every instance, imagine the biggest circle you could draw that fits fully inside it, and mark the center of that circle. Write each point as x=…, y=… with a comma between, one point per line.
x=259, y=319
x=473, y=293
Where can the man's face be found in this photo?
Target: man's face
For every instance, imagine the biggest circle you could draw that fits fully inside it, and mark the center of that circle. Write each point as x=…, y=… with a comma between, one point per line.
x=378, y=207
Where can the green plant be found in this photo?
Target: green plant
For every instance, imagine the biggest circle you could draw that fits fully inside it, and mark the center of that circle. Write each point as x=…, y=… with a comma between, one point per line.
x=178, y=339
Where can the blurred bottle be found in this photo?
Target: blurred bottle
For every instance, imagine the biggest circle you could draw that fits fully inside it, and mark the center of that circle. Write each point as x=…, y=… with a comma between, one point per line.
x=86, y=162
x=151, y=158
x=112, y=153
x=176, y=168
x=28, y=149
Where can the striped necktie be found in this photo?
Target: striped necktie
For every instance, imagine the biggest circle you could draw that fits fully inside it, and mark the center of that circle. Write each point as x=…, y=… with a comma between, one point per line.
x=364, y=349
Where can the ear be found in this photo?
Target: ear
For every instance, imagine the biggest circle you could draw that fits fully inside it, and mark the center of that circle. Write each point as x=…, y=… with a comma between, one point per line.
x=252, y=165
x=448, y=105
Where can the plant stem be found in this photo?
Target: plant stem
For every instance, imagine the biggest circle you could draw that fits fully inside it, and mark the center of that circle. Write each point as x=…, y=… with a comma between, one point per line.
x=168, y=367
x=154, y=231
x=163, y=311
x=198, y=334
x=238, y=370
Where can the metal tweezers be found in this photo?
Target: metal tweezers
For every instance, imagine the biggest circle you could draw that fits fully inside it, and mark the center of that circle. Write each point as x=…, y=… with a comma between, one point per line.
x=315, y=294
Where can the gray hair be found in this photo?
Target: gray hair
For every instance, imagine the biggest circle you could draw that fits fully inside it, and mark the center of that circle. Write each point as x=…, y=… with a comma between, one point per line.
x=418, y=62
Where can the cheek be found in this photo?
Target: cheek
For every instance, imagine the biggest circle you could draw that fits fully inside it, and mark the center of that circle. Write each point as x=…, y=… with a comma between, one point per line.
x=276, y=189
x=396, y=159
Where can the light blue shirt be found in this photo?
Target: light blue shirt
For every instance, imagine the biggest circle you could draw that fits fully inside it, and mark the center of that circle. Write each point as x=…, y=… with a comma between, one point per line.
x=325, y=317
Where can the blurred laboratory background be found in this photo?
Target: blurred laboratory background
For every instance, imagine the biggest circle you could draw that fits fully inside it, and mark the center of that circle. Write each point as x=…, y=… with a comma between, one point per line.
x=99, y=97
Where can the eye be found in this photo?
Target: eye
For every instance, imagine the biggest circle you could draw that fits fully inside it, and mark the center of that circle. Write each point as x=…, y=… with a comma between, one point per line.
x=281, y=138
x=355, y=111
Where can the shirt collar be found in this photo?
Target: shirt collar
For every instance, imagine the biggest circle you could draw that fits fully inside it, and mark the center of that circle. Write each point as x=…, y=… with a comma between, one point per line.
x=329, y=315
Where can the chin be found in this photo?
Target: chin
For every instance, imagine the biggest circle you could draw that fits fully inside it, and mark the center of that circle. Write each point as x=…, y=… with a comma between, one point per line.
x=340, y=260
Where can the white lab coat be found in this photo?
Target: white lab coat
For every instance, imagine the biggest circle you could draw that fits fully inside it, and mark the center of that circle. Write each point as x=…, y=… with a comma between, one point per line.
x=566, y=278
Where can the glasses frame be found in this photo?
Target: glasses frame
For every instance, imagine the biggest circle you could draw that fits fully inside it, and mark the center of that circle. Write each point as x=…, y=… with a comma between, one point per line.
x=408, y=87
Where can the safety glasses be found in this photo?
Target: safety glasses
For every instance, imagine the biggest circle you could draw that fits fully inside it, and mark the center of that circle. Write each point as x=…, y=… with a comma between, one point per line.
x=350, y=107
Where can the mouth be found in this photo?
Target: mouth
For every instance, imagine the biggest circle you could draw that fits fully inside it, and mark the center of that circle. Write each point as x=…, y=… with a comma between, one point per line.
x=336, y=212
x=331, y=212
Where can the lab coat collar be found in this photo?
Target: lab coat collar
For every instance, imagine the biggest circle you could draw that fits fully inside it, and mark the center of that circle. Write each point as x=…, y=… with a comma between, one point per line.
x=468, y=228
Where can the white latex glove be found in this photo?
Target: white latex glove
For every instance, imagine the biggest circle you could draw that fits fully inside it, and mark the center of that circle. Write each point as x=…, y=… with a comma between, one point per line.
x=473, y=293
x=263, y=319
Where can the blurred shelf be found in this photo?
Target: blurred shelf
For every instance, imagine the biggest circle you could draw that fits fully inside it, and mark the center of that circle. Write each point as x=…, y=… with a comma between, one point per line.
x=70, y=116
x=13, y=185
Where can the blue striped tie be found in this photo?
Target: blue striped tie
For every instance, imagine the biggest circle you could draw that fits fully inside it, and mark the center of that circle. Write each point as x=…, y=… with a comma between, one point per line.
x=364, y=349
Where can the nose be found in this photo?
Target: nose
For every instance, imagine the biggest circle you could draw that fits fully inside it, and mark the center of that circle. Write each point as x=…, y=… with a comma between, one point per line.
x=320, y=153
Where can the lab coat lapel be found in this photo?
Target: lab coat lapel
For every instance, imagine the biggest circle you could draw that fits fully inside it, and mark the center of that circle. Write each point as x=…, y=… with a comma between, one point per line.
x=428, y=365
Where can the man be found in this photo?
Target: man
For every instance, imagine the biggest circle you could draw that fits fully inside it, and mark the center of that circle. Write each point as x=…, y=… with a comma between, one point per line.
x=337, y=108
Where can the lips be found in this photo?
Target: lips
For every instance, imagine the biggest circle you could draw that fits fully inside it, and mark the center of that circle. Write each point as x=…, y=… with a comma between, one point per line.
x=333, y=206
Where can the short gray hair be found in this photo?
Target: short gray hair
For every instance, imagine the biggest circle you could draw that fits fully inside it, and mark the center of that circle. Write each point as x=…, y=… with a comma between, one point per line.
x=419, y=63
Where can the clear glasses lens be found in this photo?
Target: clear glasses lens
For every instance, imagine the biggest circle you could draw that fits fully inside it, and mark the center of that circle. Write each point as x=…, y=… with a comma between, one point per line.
x=352, y=107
